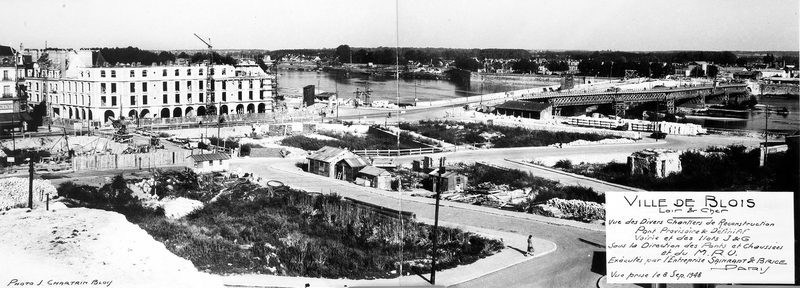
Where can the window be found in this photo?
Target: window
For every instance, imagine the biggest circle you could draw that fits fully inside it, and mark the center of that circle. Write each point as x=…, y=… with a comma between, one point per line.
x=240, y=95
x=189, y=85
x=189, y=97
x=188, y=72
x=220, y=162
x=251, y=84
x=163, y=86
x=201, y=83
x=177, y=72
x=133, y=73
x=103, y=73
x=113, y=73
x=212, y=71
x=177, y=86
x=210, y=162
x=201, y=97
x=113, y=100
x=177, y=98
x=223, y=71
x=133, y=100
x=251, y=95
x=113, y=87
x=144, y=99
x=133, y=87
x=224, y=96
x=144, y=73
x=164, y=72
x=144, y=87
x=223, y=83
x=165, y=99
x=200, y=72
x=102, y=87
x=240, y=85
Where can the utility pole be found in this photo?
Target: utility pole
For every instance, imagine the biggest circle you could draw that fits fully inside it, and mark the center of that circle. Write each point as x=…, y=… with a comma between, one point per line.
x=30, y=184
x=766, y=133
x=435, y=227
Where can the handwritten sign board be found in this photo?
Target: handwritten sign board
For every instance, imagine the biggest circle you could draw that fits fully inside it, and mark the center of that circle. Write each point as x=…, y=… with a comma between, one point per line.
x=700, y=237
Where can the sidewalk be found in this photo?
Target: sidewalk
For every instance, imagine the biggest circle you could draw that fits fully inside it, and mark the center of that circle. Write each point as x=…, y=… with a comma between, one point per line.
x=513, y=254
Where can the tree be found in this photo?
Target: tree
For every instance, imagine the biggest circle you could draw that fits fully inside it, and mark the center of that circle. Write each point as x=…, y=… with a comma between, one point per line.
x=343, y=53
x=465, y=63
x=712, y=71
x=741, y=62
x=525, y=66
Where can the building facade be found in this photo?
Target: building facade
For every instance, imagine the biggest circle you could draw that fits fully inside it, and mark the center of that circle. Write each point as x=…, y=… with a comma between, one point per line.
x=77, y=85
x=13, y=105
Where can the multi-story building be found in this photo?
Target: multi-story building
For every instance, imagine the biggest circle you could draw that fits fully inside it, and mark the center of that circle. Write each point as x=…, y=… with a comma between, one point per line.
x=13, y=105
x=80, y=85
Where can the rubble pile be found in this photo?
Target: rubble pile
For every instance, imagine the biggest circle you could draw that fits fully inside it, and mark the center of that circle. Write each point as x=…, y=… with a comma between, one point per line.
x=14, y=191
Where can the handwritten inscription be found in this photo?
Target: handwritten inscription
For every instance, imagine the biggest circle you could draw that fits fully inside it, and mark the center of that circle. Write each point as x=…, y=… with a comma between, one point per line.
x=699, y=237
x=14, y=282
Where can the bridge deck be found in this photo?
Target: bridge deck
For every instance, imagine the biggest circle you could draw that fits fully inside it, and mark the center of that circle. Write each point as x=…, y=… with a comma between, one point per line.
x=559, y=99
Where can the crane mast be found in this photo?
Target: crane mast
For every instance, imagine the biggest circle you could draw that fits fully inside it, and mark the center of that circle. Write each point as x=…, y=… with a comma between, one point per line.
x=211, y=109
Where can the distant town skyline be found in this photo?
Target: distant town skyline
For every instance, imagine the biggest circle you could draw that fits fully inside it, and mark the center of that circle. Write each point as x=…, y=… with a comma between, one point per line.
x=626, y=25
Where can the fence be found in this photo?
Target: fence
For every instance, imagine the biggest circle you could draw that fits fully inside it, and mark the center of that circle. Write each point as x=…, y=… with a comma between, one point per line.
x=131, y=161
x=401, y=152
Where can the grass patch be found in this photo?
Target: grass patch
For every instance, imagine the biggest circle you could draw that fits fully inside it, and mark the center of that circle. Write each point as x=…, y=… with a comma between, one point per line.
x=731, y=168
x=251, y=229
x=500, y=136
x=374, y=139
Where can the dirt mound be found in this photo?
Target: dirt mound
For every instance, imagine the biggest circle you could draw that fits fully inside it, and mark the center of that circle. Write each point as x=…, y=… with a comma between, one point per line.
x=88, y=247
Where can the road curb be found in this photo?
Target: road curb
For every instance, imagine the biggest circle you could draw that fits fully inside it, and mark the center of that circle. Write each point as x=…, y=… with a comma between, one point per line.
x=626, y=188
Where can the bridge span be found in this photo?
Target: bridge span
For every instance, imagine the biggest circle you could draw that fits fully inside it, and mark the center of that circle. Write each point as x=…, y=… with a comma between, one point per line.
x=621, y=100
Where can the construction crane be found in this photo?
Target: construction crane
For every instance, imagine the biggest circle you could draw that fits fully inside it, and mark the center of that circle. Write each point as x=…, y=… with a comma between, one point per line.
x=211, y=109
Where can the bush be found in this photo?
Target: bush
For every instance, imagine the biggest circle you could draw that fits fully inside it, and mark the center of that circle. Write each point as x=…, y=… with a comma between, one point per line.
x=563, y=164
x=581, y=210
x=290, y=232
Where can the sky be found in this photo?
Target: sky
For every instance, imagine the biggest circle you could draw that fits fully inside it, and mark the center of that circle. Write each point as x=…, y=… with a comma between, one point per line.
x=626, y=25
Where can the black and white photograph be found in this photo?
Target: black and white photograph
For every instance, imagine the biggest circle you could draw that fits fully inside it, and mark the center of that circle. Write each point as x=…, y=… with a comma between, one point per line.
x=399, y=143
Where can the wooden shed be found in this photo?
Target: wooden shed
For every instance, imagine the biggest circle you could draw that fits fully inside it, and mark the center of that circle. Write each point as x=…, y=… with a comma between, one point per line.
x=211, y=162
x=525, y=109
x=448, y=181
x=322, y=161
x=348, y=168
x=375, y=177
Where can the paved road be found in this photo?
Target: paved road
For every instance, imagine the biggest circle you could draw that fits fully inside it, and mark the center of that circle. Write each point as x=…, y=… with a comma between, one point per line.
x=568, y=266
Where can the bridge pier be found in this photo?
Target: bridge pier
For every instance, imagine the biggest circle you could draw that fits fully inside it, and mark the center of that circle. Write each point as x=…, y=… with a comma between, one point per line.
x=671, y=105
x=620, y=108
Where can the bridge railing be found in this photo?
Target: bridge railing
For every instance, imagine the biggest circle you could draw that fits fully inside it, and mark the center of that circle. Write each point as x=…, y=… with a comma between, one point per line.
x=694, y=87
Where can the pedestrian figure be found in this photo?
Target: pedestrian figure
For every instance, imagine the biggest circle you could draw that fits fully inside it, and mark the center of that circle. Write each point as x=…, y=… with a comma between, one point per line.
x=530, y=245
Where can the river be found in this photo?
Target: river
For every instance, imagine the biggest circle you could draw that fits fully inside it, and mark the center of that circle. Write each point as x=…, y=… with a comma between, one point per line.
x=757, y=119
x=291, y=83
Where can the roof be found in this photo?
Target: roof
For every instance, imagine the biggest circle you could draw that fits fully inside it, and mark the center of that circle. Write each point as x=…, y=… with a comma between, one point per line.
x=14, y=118
x=384, y=162
x=329, y=154
x=523, y=105
x=747, y=73
x=209, y=157
x=446, y=174
x=6, y=50
x=357, y=162
x=372, y=171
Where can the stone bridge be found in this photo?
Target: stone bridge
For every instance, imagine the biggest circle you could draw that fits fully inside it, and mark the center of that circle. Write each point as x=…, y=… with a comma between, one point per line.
x=623, y=99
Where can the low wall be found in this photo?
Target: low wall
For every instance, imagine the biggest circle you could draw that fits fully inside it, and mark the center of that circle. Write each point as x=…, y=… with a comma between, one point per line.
x=780, y=89
x=132, y=161
x=523, y=123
